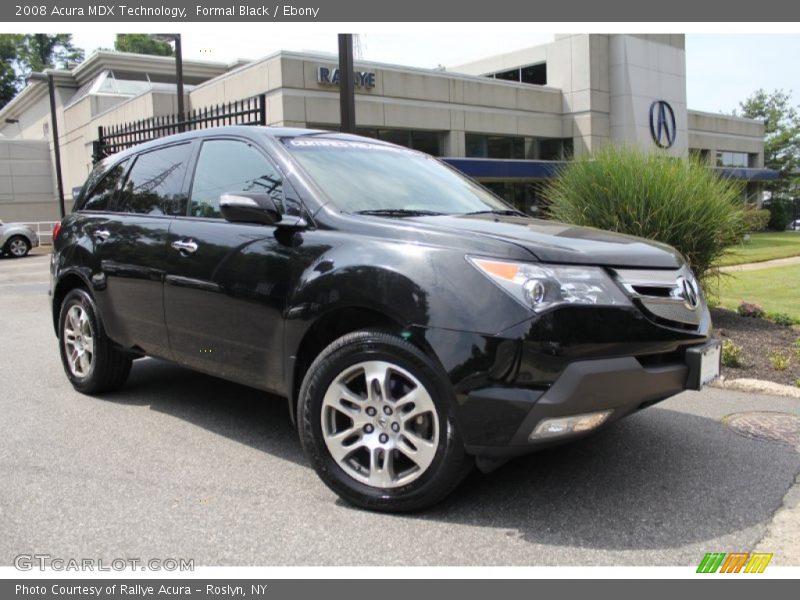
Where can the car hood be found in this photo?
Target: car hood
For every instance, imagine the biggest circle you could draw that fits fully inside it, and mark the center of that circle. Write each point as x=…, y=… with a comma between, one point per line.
x=550, y=241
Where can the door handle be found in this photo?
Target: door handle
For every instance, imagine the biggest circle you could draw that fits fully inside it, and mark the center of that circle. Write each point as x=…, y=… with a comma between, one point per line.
x=101, y=235
x=185, y=246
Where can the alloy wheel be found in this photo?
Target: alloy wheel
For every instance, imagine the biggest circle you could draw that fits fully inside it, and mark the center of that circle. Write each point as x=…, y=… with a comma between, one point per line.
x=78, y=341
x=380, y=424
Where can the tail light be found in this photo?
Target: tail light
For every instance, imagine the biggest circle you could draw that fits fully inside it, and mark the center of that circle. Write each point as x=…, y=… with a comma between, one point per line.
x=56, y=229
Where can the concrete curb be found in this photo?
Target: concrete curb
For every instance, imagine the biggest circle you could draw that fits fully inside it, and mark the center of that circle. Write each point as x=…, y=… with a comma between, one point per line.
x=759, y=386
x=783, y=531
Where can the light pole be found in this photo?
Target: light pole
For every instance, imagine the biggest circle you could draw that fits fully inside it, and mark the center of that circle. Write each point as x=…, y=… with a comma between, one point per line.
x=51, y=88
x=347, y=95
x=176, y=38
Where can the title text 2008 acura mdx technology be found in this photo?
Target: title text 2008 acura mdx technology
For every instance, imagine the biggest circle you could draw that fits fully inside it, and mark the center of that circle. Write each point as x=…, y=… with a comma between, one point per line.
x=416, y=323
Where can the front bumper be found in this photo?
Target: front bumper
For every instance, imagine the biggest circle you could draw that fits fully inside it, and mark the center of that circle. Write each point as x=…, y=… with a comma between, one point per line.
x=574, y=362
x=619, y=385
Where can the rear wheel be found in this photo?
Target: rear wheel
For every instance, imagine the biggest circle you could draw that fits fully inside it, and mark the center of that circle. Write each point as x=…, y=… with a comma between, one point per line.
x=17, y=246
x=376, y=423
x=91, y=362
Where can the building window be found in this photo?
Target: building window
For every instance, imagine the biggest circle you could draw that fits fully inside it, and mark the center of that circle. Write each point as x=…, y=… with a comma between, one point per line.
x=534, y=74
x=555, y=149
x=430, y=142
x=531, y=74
x=495, y=146
x=732, y=159
x=700, y=154
x=524, y=196
x=512, y=75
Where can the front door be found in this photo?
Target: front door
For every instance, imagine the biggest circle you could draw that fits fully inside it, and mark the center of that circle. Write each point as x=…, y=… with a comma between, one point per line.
x=226, y=283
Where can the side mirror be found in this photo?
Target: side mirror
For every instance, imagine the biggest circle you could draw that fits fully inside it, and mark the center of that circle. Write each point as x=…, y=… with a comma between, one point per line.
x=249, y=207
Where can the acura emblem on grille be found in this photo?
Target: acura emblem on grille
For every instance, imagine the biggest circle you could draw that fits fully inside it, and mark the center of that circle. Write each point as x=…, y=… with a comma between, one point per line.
x=688, y=291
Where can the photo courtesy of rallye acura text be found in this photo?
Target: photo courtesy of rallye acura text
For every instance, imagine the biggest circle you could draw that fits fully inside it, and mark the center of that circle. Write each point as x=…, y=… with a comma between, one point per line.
x=417, y=325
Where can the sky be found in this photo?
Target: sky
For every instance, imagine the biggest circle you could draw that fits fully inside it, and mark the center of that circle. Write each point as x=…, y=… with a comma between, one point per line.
x=721, y=69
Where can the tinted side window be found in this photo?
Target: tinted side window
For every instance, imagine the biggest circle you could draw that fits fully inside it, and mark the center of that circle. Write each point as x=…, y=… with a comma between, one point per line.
x=104, y=191
x=154, y=186
x=231, y=166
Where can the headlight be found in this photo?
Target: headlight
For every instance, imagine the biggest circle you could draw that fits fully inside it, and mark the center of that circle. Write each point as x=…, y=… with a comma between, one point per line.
x=540, y=286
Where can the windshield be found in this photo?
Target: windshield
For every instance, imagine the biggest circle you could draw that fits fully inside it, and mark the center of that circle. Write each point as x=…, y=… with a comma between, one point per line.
x=361, y=176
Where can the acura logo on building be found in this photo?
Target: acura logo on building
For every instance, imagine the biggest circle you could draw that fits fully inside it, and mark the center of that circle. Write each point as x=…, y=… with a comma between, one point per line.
x=687, y=288
x=662, y=124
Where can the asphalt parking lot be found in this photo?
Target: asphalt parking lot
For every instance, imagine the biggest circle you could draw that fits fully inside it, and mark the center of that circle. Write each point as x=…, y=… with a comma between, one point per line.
x=179, y=464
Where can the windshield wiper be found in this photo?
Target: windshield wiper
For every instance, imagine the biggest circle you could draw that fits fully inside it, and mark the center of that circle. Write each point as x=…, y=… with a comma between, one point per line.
x=506, y=212
x=398, y=212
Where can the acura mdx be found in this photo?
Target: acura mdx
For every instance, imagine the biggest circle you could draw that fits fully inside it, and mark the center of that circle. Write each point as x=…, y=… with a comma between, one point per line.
x=416, y=324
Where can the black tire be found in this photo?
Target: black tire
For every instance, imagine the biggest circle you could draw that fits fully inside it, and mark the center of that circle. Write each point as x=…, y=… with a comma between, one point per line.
x=450, y=463
x=109, y=366
x=16, y=239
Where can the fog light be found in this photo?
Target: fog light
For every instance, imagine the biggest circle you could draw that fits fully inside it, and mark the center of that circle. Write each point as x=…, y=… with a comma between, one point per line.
x=550, y=428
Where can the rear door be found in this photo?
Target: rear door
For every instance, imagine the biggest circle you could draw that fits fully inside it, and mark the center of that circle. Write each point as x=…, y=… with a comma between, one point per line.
x=132, y=247
x=226, y=283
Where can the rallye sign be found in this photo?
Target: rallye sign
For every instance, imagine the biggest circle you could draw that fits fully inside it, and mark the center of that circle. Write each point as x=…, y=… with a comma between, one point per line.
x=330, y=76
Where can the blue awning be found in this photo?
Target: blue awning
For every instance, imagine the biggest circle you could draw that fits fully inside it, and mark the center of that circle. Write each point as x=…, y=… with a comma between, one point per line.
x=504, y=169
x=747, y=174
x=497, y=168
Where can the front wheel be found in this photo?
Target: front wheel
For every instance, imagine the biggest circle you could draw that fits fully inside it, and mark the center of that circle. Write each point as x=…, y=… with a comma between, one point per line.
x=91, y=361
x=376, y=423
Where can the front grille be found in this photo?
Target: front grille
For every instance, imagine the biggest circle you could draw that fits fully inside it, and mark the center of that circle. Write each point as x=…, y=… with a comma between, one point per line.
x=665, y=295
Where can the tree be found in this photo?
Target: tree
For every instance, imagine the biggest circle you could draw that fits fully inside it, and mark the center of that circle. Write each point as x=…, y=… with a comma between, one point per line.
x=142, y=43
x=39, y=51
x=23, y=54
x=9, y=79
x=782, y=136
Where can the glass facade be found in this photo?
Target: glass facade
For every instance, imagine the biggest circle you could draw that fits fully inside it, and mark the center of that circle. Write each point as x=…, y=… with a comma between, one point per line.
x=532, y=74
x=555, y=149
x=732, y=159
x=496, y=146
x=522, y=195
x=429, y=142
x=480, y=145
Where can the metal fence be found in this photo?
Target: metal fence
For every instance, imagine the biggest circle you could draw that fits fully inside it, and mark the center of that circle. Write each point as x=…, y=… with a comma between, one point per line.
x=249, y=111
x=44, y=229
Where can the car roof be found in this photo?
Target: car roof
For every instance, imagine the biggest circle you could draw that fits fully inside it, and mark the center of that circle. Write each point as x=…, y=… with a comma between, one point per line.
x=250, y=131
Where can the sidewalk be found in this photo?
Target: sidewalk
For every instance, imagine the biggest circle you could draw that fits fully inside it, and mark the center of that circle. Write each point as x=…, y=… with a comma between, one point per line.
x=767, y=264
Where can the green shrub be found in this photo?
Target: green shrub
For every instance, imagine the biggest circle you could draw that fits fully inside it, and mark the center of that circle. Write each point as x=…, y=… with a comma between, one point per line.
x=781, y=319
x=680, y=202
x=756, y=219
x=779, y=360
x=778, y=214
x=731, y=354
x=750, y=309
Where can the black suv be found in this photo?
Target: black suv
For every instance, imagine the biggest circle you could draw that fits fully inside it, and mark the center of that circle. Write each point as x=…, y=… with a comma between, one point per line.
x=416, y=323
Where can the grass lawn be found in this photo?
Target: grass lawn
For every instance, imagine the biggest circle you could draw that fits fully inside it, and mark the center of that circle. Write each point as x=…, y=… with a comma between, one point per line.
x=764, y=246
x=776, y=289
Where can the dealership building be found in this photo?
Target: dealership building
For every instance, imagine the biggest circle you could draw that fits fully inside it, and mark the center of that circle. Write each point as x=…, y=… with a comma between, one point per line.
x=508, y=120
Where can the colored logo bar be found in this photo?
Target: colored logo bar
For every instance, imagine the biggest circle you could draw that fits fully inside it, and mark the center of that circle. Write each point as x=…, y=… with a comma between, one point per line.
x=734, y=562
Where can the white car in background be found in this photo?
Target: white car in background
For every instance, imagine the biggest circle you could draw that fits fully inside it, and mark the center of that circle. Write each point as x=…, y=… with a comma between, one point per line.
x=17, y=239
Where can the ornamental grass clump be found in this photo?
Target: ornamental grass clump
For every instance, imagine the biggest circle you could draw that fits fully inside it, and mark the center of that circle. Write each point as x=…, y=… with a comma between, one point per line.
x=680, y=202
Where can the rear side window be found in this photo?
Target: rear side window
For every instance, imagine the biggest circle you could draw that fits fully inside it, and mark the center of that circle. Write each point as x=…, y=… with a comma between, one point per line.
x=155, y=183
x=231, y=166
x=100, y=197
